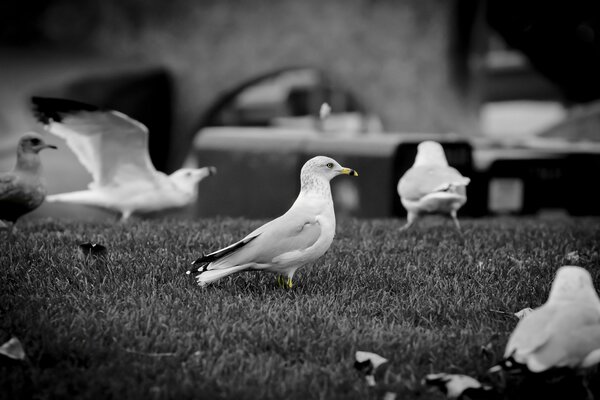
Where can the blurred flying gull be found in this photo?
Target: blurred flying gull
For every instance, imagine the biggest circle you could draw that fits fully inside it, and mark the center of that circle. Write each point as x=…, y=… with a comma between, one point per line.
x=562, y=333
x=301, y=235
x=22, y=190
x=113, y=148
x=431, y=186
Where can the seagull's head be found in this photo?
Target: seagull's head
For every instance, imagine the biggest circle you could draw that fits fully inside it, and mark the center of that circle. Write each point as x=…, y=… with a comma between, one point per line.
x=325, y=167
x=430, y=153
x=573, y=283
x=33, y=143
x=187, y=178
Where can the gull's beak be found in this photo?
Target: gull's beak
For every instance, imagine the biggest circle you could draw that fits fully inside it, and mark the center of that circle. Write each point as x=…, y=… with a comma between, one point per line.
x=348, y=171
x=49, y=146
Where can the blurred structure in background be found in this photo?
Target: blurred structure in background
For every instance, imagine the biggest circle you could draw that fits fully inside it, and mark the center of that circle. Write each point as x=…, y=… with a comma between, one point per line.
x=497, y=74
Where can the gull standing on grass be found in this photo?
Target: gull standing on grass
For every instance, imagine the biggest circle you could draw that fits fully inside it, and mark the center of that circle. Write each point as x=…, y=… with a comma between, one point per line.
x=23, y=190
x=301, y=235
x=431, y=186
x=114, y=150
x=564, y=332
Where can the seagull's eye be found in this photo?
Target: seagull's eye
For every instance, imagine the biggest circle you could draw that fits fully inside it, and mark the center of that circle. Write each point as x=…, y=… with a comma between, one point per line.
x=329, y=165
x=35, y=141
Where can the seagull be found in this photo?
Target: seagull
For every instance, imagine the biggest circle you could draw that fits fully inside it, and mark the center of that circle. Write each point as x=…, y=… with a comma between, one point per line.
x=431, y=186
x=113, y=148
x=23, y=190
x=301, y=235
x=562, y=333
x=458, y=386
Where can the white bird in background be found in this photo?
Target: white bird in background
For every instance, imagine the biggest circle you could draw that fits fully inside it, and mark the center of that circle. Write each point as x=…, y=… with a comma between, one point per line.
x=431, y=186
x=564, y=332
x=113, y=148
x=23, y=190
x=457, y=386
x=301, y=235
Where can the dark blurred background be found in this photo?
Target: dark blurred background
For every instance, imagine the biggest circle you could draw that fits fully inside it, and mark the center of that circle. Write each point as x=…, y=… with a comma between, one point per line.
x=509, y=87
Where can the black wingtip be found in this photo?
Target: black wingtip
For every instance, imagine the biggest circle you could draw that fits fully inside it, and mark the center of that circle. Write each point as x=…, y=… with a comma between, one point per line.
x=46, y=109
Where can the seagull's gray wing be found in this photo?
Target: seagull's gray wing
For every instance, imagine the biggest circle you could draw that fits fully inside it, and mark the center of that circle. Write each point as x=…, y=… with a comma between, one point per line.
x=8, y=186
x=556, y=337
x=286, y=238
x=422, y=180
x=109, y=144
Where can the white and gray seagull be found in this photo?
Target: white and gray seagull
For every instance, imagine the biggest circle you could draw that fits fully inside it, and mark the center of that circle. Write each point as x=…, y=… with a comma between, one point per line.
x=23, y=190
x=301, y=235
x=113, y=148
x=562, y=333
x=431, y=186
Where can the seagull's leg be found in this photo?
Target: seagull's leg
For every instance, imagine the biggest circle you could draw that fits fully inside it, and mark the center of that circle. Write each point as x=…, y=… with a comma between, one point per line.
x=280, y=282
x=455, y=219
x=410, y=219
x=290, y=284
x=125, y=216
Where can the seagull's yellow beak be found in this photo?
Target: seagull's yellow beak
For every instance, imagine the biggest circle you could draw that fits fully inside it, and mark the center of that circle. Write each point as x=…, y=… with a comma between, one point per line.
x=348, y=171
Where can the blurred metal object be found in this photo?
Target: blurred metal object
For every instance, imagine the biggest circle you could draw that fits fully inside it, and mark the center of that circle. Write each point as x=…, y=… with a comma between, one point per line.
x=271, y=158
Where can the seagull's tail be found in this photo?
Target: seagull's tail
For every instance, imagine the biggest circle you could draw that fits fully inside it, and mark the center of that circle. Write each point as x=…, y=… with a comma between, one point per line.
x=206, y=277
x=86, y=197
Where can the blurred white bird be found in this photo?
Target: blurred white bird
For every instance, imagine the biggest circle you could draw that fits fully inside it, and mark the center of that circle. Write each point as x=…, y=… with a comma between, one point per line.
x=431, y=186
x=456, y=386
x=564, y=332
x=301, y=235
x=324, y=111
x=114, y=150
x=370, y=364
x=13, y=349
x=23, y=190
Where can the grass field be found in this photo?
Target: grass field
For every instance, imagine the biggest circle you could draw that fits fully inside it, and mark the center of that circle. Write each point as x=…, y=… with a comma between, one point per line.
x=137, y=327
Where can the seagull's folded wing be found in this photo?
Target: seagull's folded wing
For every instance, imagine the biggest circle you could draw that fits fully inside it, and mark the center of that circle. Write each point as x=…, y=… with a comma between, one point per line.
x=422, y=180
x=286, y=238
x=109, y=144
x=8, y=187
x=555, y=337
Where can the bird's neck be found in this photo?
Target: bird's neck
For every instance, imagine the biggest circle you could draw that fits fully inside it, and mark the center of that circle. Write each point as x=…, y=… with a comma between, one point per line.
x=314, y=186
x=28, y=162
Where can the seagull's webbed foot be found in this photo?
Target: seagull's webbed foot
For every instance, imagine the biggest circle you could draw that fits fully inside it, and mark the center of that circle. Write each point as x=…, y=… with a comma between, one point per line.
x=410, y=219
x=284, y=283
